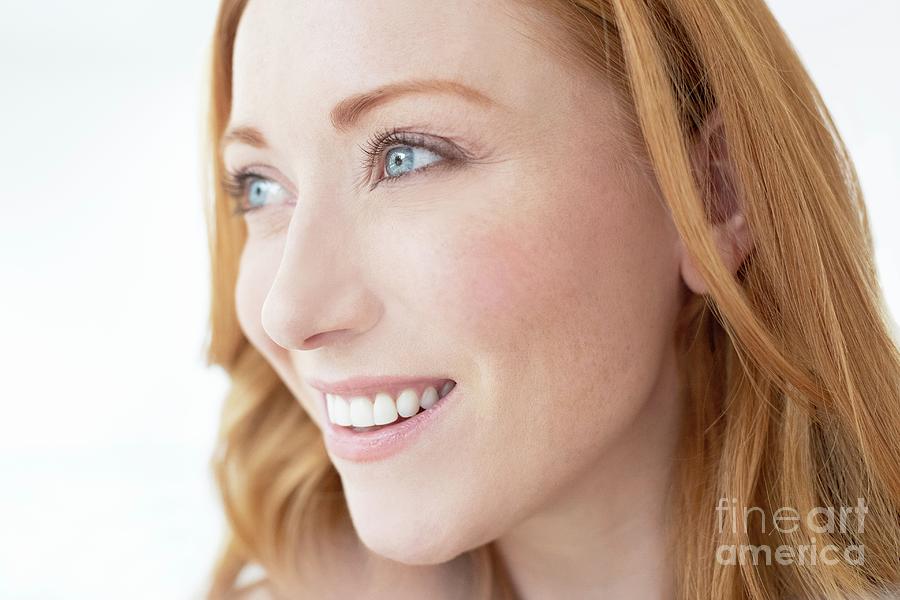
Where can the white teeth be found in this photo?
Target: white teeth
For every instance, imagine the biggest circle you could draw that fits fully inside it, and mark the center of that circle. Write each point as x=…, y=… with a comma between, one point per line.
x=385, y=411
x=429, y=397
x=340, y=411
x=445, y=389
x=361, y=413
x=408, y=403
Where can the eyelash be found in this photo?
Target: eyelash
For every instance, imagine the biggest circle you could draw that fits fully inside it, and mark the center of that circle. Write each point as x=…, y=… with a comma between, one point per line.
x=236, y=182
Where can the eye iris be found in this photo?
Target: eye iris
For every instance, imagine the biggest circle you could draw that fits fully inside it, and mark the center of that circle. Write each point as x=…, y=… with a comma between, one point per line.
x=399, y=160
x=257, y=193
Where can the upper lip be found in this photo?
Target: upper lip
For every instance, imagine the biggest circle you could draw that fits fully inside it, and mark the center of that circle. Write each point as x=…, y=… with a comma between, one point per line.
x=369, y=385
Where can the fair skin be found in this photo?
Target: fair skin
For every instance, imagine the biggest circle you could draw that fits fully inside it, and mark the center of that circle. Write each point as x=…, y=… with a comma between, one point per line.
x=542, y=274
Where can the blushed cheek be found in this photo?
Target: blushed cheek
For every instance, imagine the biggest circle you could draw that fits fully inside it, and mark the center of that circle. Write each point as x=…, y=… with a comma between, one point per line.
x=497, y=283
x=488, y=276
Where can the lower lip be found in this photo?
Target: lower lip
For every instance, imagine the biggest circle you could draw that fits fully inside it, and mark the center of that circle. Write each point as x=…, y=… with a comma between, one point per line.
x=379, y=444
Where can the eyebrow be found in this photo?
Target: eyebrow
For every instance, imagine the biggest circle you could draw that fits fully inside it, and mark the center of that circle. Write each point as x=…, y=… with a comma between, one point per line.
x=348, y=112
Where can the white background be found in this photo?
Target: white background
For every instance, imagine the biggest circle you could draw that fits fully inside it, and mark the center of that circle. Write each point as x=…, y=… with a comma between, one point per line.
x=108, y=413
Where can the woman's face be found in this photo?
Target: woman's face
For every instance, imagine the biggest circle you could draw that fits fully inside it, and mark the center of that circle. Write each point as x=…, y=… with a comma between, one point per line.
x=511, y=246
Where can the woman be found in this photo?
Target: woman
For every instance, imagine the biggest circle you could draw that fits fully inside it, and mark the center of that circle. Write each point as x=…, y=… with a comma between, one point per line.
x=557, y=299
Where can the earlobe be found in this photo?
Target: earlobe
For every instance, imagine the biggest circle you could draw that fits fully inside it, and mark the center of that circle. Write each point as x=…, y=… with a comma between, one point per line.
x=733, y=242
x=720, y=192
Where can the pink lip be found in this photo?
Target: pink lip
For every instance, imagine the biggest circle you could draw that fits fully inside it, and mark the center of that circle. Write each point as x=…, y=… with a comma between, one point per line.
x=379, y=444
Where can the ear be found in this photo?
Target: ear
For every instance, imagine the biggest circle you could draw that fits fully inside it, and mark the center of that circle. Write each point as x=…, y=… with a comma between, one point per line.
x=719, y=190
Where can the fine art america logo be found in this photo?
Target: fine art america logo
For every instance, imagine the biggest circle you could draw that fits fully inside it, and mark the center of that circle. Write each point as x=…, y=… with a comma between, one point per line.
x=847, y=520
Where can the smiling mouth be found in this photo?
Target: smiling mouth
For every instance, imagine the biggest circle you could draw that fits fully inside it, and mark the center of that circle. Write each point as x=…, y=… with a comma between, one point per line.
x=382, y=409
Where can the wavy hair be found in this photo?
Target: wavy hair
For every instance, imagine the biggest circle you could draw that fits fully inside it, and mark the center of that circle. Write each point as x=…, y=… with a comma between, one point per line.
x=791, y=372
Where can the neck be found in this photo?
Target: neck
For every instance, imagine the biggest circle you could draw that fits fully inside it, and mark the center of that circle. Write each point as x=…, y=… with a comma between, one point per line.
x=605, y=536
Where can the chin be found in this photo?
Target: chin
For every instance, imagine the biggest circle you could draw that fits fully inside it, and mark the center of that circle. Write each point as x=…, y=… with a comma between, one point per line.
x=408, y=534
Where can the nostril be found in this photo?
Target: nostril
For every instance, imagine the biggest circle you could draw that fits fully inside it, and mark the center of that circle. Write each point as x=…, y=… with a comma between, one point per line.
x=322, y=339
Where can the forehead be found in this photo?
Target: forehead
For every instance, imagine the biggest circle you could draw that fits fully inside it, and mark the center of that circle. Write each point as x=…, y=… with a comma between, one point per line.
x=303, y=56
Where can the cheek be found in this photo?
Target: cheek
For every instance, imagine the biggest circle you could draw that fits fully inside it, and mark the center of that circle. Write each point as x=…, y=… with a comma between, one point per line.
x=481, y=277
x=495, y=279
x=580, y=280
x=258, y=266
x=564, y=271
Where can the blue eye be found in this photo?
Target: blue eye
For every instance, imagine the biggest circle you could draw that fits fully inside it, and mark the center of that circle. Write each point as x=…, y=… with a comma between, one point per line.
x=402, y=159
x=404, y=153
x=250, y=190
x=257, y=190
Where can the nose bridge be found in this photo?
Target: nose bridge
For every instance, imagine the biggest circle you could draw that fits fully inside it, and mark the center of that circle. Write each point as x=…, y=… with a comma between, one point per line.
x=318, y=291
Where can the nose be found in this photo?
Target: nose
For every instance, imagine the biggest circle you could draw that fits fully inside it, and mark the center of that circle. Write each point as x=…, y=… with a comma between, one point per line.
x=318, y=295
